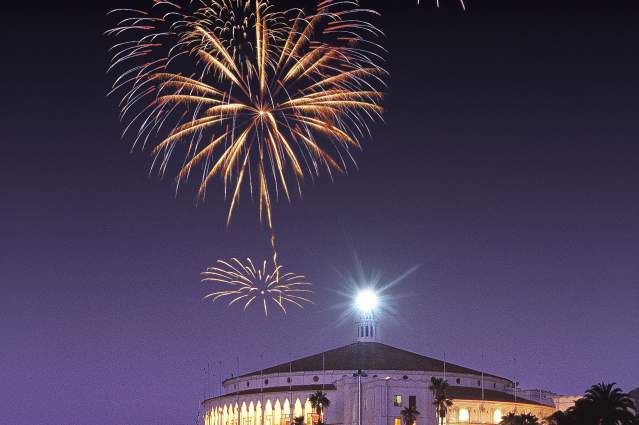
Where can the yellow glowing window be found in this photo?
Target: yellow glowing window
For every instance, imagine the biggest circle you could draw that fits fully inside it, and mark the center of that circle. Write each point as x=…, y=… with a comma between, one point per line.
x=497, y=416
x=397, y=400
x=397, y=421
x=464, y=415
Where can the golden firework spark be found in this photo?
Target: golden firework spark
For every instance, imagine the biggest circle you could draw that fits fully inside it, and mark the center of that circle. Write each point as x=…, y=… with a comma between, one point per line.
x=461, y=2
x=258, y=98
x=247, y=284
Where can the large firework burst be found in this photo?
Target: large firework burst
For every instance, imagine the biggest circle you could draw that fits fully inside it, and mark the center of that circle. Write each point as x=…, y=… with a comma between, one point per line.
x=260, y=99
x=247, y=284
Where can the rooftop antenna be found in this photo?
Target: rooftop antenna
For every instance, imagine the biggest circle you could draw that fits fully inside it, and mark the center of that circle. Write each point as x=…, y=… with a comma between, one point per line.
x=204, y=384
x=323, y=369
x=482, y=376
x=219, y=364
x=444, y=365
x=262, y=379
x=290, y=382
x=481, y=411
x=515, y=377
x=237, y=383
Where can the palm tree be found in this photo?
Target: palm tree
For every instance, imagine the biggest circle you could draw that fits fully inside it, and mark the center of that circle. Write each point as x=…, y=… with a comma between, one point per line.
x=409, y=414
x=605, y=404
x=439, y=388
x=523, y=419
x=319, y=401
x=560, y=418
x=509, y=419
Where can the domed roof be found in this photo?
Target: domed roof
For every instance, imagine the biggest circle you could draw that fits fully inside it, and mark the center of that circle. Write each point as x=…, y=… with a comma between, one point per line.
x=368, y=356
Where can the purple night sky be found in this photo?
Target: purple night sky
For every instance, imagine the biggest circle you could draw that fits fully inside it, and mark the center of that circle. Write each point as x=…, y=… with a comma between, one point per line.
x=507, y=168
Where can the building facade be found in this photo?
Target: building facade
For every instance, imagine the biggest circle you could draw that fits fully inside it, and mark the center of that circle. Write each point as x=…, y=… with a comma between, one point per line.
x=368, y=383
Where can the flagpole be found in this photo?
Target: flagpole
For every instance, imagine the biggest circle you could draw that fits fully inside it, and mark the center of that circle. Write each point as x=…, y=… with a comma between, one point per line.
x=444, y=365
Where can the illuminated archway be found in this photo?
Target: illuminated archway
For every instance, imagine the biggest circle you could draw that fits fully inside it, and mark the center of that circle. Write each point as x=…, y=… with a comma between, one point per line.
x=297, y=409
x=308, y=412
x=277, y=413
x=251, y=414
x=464, y=415
x=268, y=413
x=243, y=414
x=258, y=414
x=286, y=412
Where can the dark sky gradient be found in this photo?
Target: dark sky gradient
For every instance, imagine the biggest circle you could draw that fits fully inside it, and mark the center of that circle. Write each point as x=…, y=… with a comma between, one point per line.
x=508, y=168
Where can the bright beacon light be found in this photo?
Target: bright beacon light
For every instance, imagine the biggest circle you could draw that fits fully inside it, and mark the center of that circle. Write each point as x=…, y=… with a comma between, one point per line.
x=366, y=300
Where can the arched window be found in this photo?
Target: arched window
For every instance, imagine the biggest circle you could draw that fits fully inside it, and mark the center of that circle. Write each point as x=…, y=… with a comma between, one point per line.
x=308, y=412
x=244, y=418
x=258, y=413
x=286, y=412
x=268, y=413
x=464, y=415
x=277, y=413
x=251, y=414
x=366, y=330
x=297, y=409
x=497, y=415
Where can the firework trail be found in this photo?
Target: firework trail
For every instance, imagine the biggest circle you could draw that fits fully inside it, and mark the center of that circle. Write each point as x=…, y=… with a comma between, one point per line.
x=247, y=284
x=256, y=98
x=461, y=2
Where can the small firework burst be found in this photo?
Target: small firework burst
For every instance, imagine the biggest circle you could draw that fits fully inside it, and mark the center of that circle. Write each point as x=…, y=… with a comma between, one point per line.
x=247, y=284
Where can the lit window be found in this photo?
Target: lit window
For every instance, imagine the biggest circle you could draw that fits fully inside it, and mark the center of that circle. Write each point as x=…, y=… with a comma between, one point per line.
x=397, y=421
x=397, y=400
x=464, y=415
x=497, y=416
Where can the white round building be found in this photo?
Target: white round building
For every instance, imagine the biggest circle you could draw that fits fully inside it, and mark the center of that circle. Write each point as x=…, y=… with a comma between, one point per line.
x=368, y=383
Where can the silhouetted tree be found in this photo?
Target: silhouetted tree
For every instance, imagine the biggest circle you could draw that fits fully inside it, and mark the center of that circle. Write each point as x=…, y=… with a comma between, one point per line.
x=522, y=419
x=439, y=388
x=603, y=404
x=560, y=418
x=319, y=401
x=409, y=414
